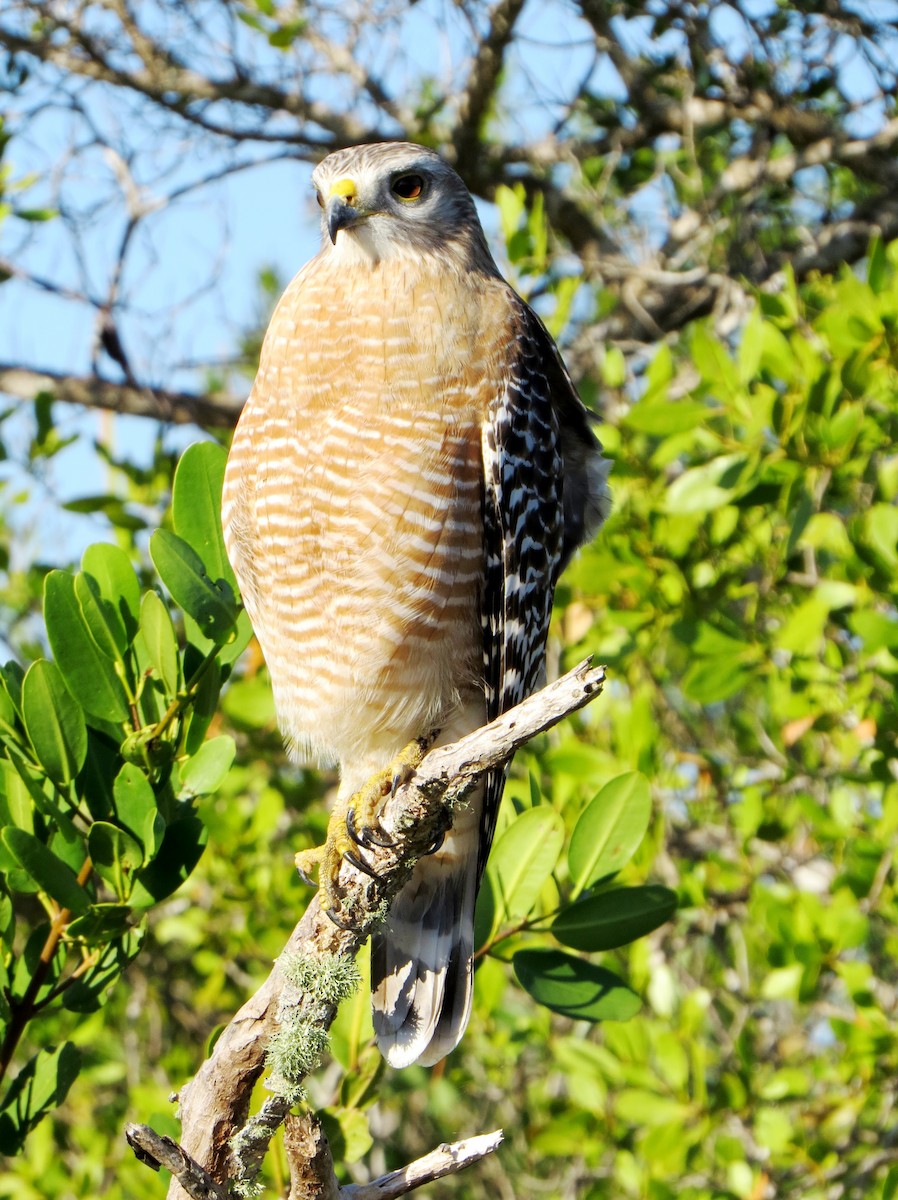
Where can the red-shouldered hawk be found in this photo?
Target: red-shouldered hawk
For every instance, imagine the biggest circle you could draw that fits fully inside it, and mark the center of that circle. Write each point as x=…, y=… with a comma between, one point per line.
x=410, y=474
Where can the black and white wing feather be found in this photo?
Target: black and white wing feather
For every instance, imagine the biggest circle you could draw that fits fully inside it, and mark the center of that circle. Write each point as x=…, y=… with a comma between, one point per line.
x=544, y=494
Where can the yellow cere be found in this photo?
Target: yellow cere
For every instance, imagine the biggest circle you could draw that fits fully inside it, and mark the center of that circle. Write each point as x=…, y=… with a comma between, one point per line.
x=343, y=187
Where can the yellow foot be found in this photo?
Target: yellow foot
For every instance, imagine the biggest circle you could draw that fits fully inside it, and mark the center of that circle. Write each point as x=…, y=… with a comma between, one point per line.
x=352, y=826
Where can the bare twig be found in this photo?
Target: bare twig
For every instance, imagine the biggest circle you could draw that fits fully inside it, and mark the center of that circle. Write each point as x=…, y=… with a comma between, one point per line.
x=158, y=1151
x=445, y=1160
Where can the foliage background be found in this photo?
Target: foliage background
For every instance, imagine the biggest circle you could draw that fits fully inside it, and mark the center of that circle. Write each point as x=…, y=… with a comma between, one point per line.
x=718, y=279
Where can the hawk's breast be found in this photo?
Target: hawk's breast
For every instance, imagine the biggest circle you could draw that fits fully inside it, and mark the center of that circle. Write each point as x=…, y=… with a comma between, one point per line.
x=352, y=503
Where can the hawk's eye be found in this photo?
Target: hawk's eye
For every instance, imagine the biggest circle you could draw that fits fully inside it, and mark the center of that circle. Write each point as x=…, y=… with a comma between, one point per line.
x=408, y=187
x=319, y=199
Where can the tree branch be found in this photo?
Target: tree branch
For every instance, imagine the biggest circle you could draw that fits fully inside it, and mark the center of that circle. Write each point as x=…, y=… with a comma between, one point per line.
x=157, y=1151
x=180, y=408
x=479, y=92
x=445, y=1160
x=215, y=1104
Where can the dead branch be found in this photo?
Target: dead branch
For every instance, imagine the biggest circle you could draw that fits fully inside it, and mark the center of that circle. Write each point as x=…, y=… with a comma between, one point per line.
x=215, y=1104
x=157, y=1151
x=309, y=1158
x=445, y=1160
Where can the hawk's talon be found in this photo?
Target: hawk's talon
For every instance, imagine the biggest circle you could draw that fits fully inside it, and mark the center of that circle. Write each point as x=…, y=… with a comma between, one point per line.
x=436, y=843
x=354, y=824
x=306, y=861
x=331, y=913
x=365, y=835
x=358, y=862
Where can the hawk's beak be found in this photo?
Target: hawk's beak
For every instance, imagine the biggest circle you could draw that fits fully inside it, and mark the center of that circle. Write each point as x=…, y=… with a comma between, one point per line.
x=341, y=210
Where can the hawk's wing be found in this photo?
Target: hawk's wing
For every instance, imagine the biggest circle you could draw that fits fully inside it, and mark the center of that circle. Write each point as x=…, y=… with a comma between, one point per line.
x=544, y=494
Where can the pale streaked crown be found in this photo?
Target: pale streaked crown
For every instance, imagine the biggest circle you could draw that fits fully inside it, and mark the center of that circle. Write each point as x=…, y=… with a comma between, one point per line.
x=371, y=180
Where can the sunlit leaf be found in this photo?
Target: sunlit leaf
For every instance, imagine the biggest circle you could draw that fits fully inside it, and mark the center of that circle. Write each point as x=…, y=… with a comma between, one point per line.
x=89, y=674
x=210, y=602
x=523, y=858
x=196, y=506
x=203, y=773
x=54, y=721
x=135, y=799
x=702, y=489
x=160, y=641
x=119, y=586
x=610, y=829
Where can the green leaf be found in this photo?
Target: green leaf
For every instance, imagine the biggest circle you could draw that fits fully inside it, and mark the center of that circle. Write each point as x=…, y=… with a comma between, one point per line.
x=573, y=987
x=89, y=674
x=615, y=918
x=160, y=641
x=11, y=677
x=88, y=993
x=664, y=417
x=41, y=1085
x=880, y=527
x=49, y=872
x=211, y=604
x=609, y=829
x=115, y=856
x=510, y=203
x=705, y=488
x=284, y=37
x=204, y=707
x=204, y=772
x=748, y=354
x=181, y=849
x=877, y=266
x=101, y=619
x=16, y=802
x=152, y=834
x=890, y=1185
x=524, y=858
x=713, y=361
x=644, y=1108
x=347, y=1132
x=614, y=367
x=100, y=924
x=134, y=799
x=54, y=721
x=803, y=631
x=242, y=638
x=17, y=805
x=196, y=506
x=111, y=569
x=67, y=842
x=709, y=680
x=8, y=714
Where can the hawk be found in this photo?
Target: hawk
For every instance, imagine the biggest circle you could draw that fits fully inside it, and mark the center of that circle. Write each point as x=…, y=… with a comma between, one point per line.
x=408, y=478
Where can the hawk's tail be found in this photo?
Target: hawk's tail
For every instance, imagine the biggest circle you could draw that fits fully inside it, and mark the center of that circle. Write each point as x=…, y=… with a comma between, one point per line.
x=422, y=959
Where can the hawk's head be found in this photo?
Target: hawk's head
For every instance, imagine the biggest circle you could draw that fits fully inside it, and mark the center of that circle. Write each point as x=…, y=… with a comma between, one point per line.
x=395, y=199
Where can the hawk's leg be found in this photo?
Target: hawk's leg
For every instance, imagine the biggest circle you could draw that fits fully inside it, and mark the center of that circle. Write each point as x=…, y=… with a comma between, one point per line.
x=353, y=823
